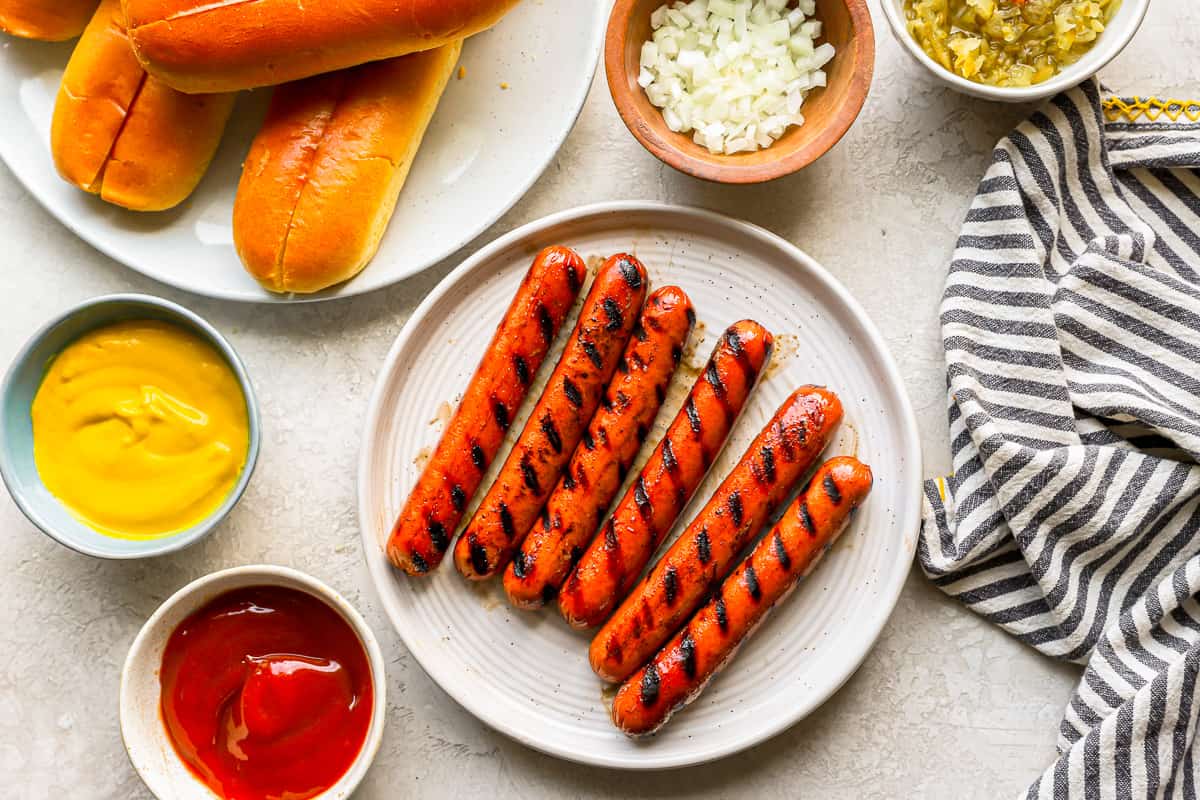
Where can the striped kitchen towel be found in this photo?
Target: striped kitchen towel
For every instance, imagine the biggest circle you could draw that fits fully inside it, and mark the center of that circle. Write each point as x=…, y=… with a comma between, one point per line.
x=1071, y=324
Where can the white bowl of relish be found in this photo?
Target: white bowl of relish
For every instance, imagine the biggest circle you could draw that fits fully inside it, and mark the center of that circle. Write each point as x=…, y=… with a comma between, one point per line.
x=1118, y=32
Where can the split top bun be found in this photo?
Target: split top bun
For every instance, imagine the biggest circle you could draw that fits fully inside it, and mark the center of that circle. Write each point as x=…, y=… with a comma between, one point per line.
x=200, y=46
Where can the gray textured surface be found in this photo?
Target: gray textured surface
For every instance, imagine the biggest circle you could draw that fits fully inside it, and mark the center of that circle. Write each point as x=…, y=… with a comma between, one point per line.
x=880, y=212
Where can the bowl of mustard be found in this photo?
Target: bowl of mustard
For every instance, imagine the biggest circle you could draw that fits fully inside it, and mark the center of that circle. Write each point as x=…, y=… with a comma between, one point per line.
x=128, y=427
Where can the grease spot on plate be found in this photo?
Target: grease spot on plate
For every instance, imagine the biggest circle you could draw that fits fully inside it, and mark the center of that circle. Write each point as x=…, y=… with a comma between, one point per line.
x=443, y=414
x=786, y=346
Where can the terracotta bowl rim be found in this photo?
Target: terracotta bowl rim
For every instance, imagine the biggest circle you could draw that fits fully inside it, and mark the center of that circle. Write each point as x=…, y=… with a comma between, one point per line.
x=721, y=169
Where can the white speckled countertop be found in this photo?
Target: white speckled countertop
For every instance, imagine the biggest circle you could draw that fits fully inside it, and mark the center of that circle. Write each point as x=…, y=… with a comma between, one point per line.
x=880, y=212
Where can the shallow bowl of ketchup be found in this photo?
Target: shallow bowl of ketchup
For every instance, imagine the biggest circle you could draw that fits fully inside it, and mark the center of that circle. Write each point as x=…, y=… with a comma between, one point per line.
x=253, y=683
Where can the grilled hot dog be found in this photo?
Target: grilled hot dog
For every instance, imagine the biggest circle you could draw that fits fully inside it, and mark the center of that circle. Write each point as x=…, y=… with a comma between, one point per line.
x=706, y=552
x=557, y=422
x=682, y=669
x=423, y=530
x=613, y=562
x=613, y=439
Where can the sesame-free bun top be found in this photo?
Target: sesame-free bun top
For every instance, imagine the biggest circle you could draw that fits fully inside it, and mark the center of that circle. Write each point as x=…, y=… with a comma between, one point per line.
x=200, y=46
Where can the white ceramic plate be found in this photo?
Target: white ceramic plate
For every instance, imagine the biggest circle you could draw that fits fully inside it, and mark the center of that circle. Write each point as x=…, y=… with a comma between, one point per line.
x=526, y=674
x=484, y=149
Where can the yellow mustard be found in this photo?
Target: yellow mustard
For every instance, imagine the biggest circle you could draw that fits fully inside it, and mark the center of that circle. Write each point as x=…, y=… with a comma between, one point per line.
x=140, y=429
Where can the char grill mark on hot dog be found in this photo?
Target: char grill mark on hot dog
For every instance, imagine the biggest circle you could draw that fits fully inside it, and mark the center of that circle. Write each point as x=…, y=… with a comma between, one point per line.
x=806, y=518
x=702, y=546
x=506, y=521
x=768, y=465
x=546, y=325
x=632, y=273
x=610, y=444
x=522, y=368
x=706, y=643
x=668, y=456
x=731, y=519
x=781, y=553
x=687, y=650
x=735, y=342
x=671, y=584
x=613, y=311
x=714, y=379
x=785, y=444
x=641, y=498
x=574, y=392
x=735, y=508
x=529, y=476
x=478, y=554
x=438, y=535
x=831, y=490
x=610, y=535
x=751, y=579
x=649, y=686
x=551, y=433
x=576, y=280
x=501, y=415
x=593, y=354
x=693, y=416
x=432, y=512
x=645, y=514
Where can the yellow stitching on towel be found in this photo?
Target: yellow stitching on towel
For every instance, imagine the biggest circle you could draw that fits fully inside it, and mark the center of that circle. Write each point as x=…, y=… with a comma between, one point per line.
x=941, y=484
x=1152, y=108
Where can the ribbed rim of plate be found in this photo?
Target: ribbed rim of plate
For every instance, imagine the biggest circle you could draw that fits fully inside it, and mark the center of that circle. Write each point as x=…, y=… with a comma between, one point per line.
x=380, y=569
x=352, y=288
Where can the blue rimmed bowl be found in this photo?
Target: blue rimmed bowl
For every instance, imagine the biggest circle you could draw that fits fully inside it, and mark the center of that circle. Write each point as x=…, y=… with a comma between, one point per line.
x=21, y=383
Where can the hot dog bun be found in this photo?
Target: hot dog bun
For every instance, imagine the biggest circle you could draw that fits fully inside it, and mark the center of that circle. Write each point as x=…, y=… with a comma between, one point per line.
x=122, y=134
x=49, y=20
x=323, y=175
x=206, y=46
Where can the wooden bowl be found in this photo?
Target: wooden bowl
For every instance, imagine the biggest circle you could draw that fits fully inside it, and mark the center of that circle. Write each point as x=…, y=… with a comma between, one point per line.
x=829, y=112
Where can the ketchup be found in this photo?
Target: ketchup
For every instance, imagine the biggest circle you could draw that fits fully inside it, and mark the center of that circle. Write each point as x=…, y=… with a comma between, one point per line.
x=266, y=694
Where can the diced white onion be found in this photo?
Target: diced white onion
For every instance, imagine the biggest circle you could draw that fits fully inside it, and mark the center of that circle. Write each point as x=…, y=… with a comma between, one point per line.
x=733, y=73
x=822, y=55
